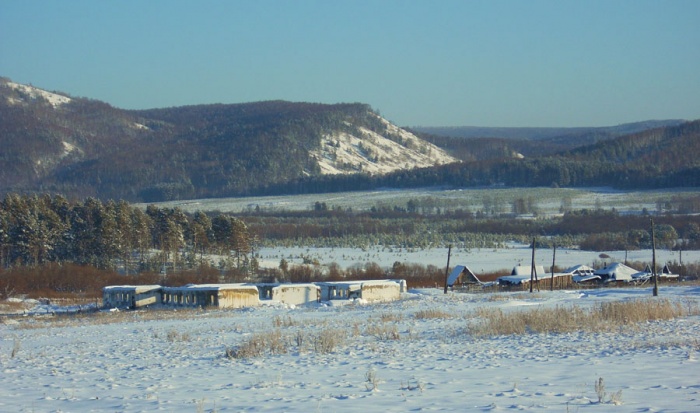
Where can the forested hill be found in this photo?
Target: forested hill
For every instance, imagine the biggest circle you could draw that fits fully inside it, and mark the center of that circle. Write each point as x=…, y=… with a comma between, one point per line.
x=53, y=142
x=664, y=157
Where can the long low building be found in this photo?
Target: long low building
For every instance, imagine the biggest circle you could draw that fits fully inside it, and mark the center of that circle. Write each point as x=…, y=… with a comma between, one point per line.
x=371, y=290
x=248, y=295
x=211, y=295
x=131, y=296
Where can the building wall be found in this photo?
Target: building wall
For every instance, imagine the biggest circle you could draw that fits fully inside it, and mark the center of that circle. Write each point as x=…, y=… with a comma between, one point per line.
x=237, y=298
x=130, y=297
x=296, y=294
x=381, y=292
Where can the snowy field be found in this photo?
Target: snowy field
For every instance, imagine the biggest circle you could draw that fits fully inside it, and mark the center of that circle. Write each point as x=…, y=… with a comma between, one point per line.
x=478, y=260
x=386, y=359
x=547, y=200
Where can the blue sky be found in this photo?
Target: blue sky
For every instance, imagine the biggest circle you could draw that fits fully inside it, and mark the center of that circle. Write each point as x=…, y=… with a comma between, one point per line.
x=429, y=63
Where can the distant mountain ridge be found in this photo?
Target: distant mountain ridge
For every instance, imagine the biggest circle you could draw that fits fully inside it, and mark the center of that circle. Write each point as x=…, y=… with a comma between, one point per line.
x=78, y=147
x=82, y=147
x=540, y=133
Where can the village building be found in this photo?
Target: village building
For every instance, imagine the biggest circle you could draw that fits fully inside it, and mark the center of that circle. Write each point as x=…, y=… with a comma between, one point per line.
x=582, y=274
x=248, y=295
x=292, y=294
x=212, y=295
x=523, y=275
x=463, y=277
x=131, y=296
x=372, y=290
x=616, y=272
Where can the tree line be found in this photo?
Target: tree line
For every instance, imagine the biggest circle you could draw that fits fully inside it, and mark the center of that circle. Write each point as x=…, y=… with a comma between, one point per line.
x=35, y=230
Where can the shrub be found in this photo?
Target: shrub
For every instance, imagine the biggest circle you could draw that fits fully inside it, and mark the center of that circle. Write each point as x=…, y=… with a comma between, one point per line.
x=327, y=340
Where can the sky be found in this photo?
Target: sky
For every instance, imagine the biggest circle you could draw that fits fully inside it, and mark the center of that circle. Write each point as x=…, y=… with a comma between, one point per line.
x=419, y=63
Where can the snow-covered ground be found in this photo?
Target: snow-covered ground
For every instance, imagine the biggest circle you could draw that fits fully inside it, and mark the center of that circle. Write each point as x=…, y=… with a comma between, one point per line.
x=176, y=361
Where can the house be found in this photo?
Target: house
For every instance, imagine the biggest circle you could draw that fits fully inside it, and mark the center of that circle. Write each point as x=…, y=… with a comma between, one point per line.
x=647, y=274
x=582, y=273
x=520, y=275
x=521, y=270
x=461, y=275
x=616, y=272
x=372, y=290
x=211, y=295
x=543, y=281
x=130, y=296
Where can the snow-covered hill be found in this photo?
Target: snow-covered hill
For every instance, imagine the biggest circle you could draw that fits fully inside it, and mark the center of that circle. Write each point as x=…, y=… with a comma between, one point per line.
x=27, y=93
x=344, y=153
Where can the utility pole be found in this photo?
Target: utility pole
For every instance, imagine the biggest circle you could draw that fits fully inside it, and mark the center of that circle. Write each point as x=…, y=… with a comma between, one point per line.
x=554, y=257
x=653, y=259
x=447, y=269
x=533, y=272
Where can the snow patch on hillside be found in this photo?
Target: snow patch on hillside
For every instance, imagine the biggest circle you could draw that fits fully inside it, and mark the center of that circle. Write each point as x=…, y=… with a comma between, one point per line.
x=32, y=92
x=344, y=153
x=69, y=148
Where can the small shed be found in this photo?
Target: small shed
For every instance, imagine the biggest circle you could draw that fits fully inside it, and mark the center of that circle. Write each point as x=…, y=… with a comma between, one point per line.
x=616, y=272
x=130, y=296
x=668, y=274
x=212, y=295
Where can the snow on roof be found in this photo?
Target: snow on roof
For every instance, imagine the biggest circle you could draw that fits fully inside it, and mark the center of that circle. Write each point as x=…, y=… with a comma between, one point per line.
x=358, y=282
x=580, y=268
x=617, y=271
x=217, y=287
x=527, y=269
x=459, y=270
x=135, y=288
x=514, y=279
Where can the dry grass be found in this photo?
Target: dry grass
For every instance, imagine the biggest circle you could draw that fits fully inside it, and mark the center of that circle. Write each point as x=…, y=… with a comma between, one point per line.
x=281, y=321
x=99, y=318
x=383, y=332
x=326, y=341
x=390, y=317
x=431, y=314
x=274, y=342
x=175, y=336
x=260, y=344
x=609, y=316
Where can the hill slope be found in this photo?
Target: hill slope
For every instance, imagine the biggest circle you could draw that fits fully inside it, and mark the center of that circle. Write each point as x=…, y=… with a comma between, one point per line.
x=81, y=147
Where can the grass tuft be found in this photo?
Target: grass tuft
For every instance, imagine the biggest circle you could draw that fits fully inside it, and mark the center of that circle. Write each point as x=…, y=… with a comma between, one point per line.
x=432, y=314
